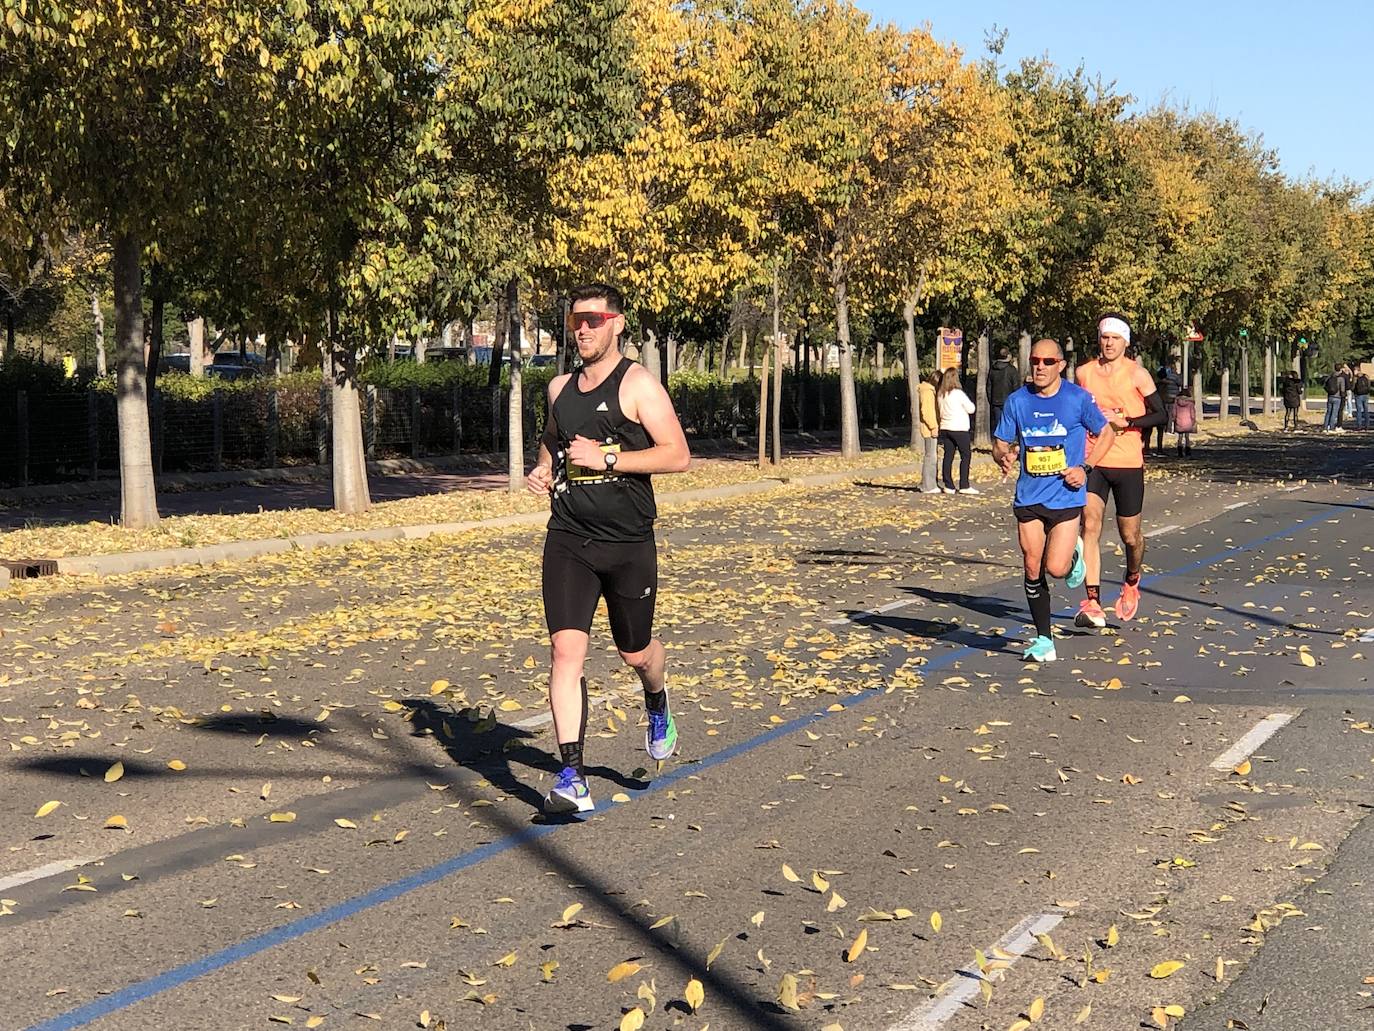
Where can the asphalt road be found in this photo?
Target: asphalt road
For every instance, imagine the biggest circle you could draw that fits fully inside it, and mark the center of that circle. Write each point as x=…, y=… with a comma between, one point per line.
x=862, y=750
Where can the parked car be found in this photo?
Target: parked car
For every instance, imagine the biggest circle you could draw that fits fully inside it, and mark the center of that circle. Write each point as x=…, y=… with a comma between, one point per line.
x=231, y=365
x=446, y=354
x=540, y=361
x=175, y=363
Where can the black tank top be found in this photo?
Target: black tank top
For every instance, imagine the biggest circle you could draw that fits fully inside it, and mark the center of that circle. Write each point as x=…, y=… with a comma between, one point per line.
x=599, y=504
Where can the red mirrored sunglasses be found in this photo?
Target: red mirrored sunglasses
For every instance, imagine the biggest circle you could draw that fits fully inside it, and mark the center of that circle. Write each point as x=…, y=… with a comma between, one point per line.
x=591, y=319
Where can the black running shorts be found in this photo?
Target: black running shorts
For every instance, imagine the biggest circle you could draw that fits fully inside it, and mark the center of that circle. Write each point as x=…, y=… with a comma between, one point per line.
x=579, y=572
x=1049, y=516
x=1126, y=486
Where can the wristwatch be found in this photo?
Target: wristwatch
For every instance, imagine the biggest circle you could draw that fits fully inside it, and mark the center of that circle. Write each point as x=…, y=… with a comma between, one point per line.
x=1087, y=469
x=610, y=458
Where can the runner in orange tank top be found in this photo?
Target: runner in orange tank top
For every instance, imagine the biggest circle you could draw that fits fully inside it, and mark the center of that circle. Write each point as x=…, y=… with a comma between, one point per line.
x=1126, y=394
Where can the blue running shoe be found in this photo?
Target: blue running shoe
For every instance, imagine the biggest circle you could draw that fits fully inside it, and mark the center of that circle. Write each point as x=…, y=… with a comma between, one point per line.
x=660, y=740
x=569, y=794
x=1078, y=572
x=1040, y=650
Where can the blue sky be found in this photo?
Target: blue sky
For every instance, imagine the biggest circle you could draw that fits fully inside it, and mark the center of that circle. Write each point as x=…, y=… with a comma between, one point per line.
x=1300, y=74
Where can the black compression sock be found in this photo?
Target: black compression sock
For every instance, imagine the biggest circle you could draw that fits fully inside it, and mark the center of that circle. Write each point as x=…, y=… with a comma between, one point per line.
x=571, y=751
x=656, y=701
x=1038, y=598
x=1094, y=592
x=572, y=754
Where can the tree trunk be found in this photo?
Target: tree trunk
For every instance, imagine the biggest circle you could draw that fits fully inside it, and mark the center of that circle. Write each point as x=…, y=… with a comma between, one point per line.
x=763, y=410
x=913, y=369
x=9, y=331
x=351, y=494
x=724, y=365
x=138, y=492
x=155, y=338
x=777, y=373
x=99, y=317
x=1197, y=392
x=515, y=446
x=1268, y=376
x=1023, y=358
x=849, y=404
x=743, y=361
x=980, y=401
x=1225, y=408
x=195, y=333
x=274, y=355
x=1245, y=384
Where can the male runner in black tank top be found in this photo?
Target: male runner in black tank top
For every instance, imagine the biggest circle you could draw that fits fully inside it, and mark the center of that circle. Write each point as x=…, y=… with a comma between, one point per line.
x=610, y=427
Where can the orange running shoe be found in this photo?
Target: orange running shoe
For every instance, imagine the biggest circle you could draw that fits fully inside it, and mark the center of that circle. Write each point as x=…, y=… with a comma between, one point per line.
x=1129, y=601
x=1090, y=614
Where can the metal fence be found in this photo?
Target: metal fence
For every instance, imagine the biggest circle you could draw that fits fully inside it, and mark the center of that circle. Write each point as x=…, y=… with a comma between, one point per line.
x=62, y=437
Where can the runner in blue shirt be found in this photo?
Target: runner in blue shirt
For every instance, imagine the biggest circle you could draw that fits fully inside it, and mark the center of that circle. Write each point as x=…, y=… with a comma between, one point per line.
x=1045, y=425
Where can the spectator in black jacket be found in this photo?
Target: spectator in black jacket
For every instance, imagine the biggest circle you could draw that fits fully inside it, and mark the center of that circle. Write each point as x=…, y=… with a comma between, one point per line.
x=1359, y=386
x=1004, y=379
x=1170, y=382
x=1293, y=391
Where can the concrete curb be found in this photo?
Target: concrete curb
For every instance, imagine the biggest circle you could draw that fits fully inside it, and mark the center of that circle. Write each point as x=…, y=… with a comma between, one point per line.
x=475, y=463
x=237, y=551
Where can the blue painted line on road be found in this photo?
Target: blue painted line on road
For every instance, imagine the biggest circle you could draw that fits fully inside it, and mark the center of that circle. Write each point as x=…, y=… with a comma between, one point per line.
x=181, y=975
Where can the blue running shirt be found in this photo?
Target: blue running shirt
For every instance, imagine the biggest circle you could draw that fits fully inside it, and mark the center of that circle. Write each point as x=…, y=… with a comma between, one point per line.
x=1052, y=433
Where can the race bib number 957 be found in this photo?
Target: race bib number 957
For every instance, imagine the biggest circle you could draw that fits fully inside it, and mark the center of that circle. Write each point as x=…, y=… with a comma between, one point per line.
x=1046, y=461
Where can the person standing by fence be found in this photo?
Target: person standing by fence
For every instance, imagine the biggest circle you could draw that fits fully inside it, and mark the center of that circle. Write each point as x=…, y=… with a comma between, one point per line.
x=1292, y=399
x=1003, y=381
x=955, y=432
x=1359, y=387
x=1169, y=381
x=930, y=431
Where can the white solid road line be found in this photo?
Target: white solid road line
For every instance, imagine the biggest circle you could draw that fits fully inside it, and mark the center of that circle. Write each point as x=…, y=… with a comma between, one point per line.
x=1254, y=737
x=1159, y=531
x=1238, y=504
x=1368, y=636
x=891, y=606
x=963, y=986
x=46, y=870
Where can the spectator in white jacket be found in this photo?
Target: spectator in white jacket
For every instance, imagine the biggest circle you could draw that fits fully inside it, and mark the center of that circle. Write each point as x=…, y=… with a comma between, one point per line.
x=955, y=432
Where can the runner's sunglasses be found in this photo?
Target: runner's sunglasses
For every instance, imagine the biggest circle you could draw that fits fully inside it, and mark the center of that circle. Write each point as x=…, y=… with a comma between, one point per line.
x=1036, y=360
x=591, y=319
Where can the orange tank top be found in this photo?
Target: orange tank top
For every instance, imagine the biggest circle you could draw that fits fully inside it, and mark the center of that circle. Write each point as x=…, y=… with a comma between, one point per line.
x=1115, y=392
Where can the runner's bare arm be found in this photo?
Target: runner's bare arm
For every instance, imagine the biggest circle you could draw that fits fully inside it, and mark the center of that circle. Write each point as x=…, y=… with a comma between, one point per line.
x=1101, y=445
x=1154, y=404
x=1004, y=454
x=643, y=399
x=540, y=478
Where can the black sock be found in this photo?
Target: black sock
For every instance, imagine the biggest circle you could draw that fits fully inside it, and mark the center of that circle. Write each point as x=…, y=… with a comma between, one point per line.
x=1094, y=592
x=656, y=701
x=571, y=751
x=1038, y=598
x=1133, y=578
x=572, y=754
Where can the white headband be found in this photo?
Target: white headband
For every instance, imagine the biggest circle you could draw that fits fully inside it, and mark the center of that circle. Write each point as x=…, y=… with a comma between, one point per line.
x=1117, y=326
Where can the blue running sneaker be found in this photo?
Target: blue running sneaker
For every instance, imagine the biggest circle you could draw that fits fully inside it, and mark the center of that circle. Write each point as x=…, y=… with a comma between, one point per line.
x=1078, y=572
x=660, y=740
x=569, y=794
x=1040, y=650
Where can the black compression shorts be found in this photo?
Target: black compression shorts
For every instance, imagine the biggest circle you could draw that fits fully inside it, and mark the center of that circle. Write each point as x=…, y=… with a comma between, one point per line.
x=578, y=572
x=1126, y=486
x=1049, y=516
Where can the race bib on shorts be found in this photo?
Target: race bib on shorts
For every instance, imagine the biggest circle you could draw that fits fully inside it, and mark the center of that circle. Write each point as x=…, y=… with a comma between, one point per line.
x=1046, y=461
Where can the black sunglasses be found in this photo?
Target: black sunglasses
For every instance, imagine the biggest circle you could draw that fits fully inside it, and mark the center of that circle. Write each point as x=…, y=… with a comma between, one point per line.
x=1045, y=361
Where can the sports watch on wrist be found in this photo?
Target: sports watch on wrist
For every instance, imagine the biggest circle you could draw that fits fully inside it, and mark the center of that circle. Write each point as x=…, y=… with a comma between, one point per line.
x=1087, y=469
x=610, y=458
